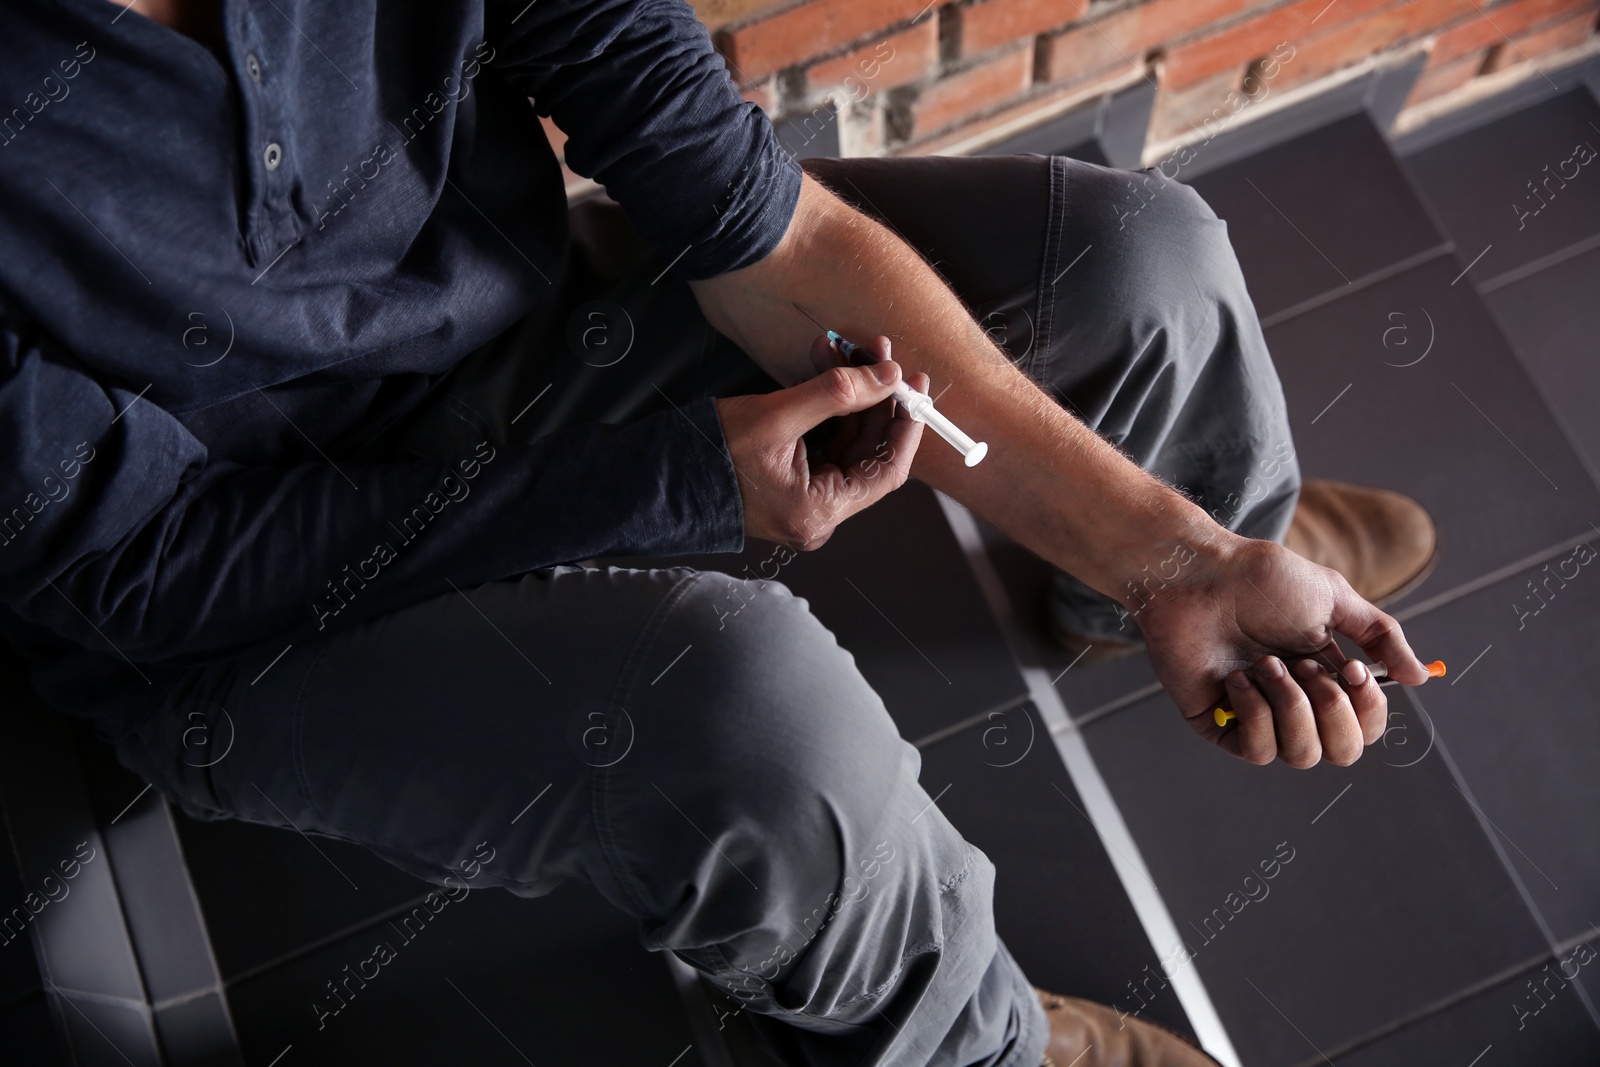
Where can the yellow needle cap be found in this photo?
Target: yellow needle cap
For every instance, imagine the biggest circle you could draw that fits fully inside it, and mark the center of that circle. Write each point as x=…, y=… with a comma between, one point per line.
x=1221, y=716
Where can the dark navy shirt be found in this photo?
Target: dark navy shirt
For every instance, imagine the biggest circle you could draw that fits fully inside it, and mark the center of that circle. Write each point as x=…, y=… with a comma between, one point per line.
x=218, y=272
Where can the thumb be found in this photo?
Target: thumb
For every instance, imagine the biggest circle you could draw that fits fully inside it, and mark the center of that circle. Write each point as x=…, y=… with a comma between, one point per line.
x=834, y=392
x=1378, y=634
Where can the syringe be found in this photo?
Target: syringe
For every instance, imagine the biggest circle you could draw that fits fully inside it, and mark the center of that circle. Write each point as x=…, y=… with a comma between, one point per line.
x=918, y=405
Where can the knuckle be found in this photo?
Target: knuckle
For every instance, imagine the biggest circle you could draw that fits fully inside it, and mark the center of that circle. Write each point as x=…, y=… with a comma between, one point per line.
x=840, y=385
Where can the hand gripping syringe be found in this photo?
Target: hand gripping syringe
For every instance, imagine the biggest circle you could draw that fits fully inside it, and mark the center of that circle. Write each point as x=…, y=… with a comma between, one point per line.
x=918, y=405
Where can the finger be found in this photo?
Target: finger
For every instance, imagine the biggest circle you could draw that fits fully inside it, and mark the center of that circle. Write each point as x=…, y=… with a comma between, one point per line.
x=901, y=439
x=1256, y=739
x=1378, y=634
x=1367, y=698
x=839, y=391
x=1338, y=731
x=1292, y=717
x=841, y=492
x=875, y=432
x=824, y=356
x=844, y=434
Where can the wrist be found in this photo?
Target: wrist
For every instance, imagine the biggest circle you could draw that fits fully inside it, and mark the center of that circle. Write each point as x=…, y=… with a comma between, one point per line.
x=1165, y=560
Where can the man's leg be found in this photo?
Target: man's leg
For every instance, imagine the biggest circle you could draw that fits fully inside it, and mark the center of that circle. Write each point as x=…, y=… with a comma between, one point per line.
x=696, y=747
x=1119, y=293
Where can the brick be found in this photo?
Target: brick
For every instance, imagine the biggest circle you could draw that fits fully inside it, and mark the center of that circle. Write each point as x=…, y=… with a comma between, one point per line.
x=1181, y=113
x=814, y=28
x=898, y=59
x=718, y=13
x=993, y=23
x=1446, y=77
x=1001, y=124
x=1295, y=22
x=967, y=93
x=1353, y=41
x=1567, y=33
x=1476, y=32
x=1124, y=37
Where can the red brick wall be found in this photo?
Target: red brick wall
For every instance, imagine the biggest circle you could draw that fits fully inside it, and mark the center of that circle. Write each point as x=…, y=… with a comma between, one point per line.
x=915, y=76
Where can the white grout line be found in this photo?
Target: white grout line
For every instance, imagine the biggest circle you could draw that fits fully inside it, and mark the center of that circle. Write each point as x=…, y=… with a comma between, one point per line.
x=1102, y=809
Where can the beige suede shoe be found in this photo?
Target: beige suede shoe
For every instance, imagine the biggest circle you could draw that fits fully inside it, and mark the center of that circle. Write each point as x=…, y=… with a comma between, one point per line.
x=1084, y=1034
x=1383, y=543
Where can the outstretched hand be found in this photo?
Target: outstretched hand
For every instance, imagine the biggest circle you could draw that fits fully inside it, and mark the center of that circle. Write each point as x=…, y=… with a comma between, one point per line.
x=1251, y=629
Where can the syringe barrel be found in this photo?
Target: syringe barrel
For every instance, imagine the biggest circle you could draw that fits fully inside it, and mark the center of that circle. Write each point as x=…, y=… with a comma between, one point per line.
x=920, y=407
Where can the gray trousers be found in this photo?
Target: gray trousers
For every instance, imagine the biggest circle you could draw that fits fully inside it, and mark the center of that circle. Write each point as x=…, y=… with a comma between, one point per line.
x=732, y=782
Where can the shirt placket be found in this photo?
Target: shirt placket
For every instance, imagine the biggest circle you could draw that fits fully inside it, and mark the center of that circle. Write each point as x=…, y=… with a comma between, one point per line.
x=271, y=227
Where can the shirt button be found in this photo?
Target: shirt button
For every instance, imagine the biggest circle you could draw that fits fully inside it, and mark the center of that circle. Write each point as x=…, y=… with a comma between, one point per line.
x=253, y=66
x=272, y=156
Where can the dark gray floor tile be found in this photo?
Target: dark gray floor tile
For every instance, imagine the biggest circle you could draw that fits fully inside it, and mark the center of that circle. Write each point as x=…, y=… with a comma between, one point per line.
x=1085, y=687
x=1462, y=429
x=492, y=979
x=29, y=1033
x=108, y=1034
x=1521, y=722
x=265, y=892
x=76, y=922
x=157, y=900
x=1553, y=320
x=1314, y=213
x=19, y=970
x=1059, y=905
x=1385, y=895
x=893, y=586
x=1479, y=184
x=198, y=1033
x=1534, y=1018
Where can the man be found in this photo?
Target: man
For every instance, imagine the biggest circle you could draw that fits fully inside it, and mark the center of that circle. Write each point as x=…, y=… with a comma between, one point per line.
x=306, y=423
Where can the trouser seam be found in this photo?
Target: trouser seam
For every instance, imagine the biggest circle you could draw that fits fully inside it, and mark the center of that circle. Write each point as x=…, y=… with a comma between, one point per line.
x=1055, y=228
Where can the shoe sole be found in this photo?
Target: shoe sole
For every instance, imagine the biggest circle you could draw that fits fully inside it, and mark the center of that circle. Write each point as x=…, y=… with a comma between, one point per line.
x=1410, y=583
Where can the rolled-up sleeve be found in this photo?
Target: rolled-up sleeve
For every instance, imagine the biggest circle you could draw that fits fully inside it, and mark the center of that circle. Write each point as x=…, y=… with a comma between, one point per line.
x=651, y=113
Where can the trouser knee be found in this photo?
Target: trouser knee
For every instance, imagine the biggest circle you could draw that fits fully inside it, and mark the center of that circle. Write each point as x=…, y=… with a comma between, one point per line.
x=765, y=760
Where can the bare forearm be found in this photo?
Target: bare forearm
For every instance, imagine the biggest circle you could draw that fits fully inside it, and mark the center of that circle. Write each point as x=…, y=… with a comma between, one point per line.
x=1049, y=480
